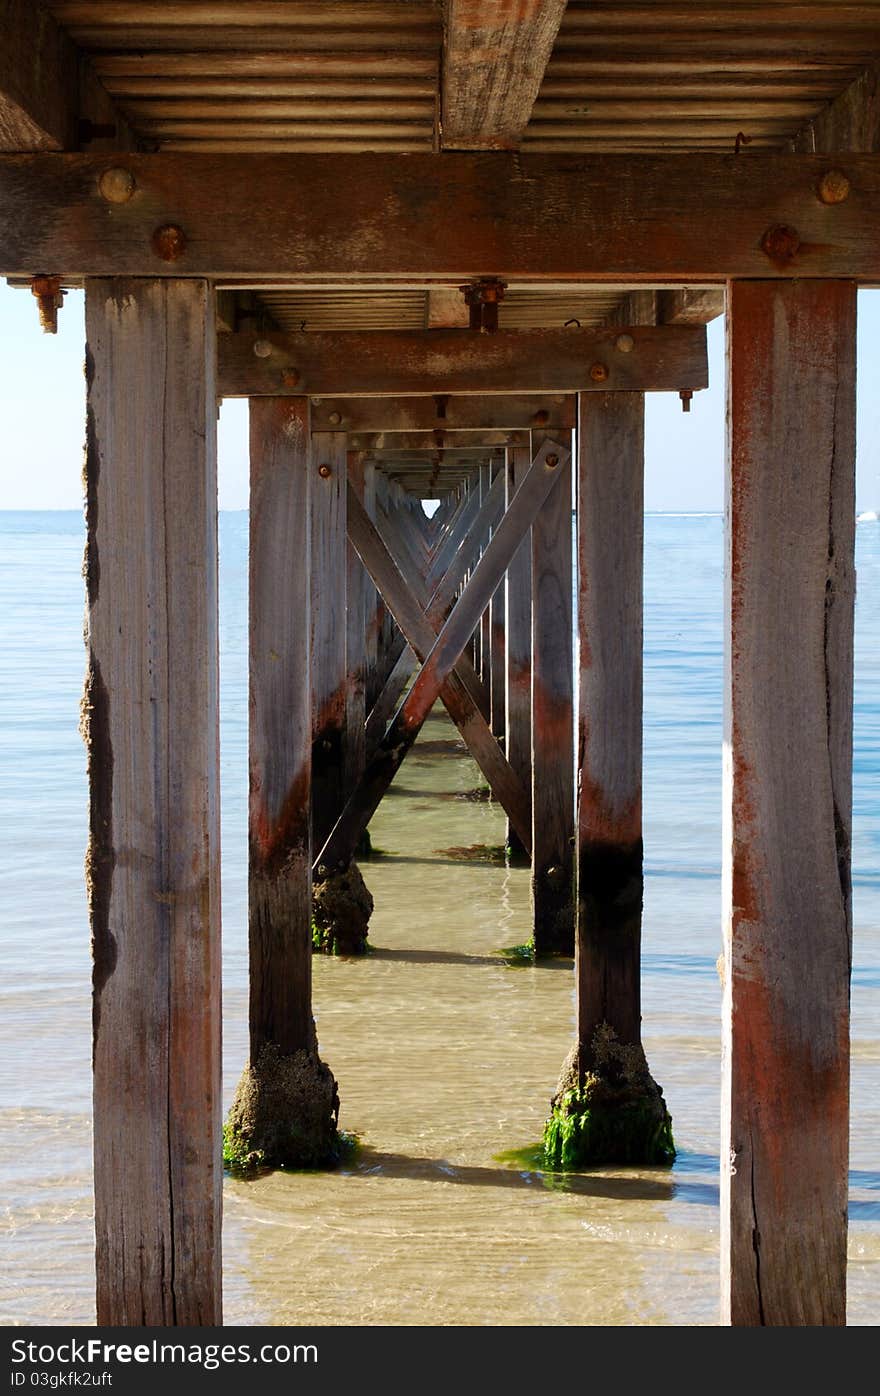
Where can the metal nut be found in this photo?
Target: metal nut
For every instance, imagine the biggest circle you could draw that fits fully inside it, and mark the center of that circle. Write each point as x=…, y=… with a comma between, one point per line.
x=599, y=373
x=833, y=187
x=116, y=185
x=552, y=462
x=169, y=242
x=335, y=418
x=262, y=348
x=624, y=344
x=290, y=377
x=325, y=471
x=781, y=242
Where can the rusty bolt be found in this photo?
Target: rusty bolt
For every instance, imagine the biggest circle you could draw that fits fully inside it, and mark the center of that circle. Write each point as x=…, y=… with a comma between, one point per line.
x=335, y=418
x=289, y=377
x=116, y=185
x=316, y=402
x=50, y=298
x=552, y=462
x=599, y=373
x=833, y=187
x=780, y=242
x=262, y=348
x=686, y=394
x=624, y=344
x=325, y=472
x=541, y=418
x=169, y=242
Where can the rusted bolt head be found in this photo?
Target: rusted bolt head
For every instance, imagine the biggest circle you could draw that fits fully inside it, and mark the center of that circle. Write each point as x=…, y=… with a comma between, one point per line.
x=599, y=373
x=541, y=418
x=262, y=348
x=833, y=187
x=335, y=418
x=116, y=185
x=316, y=402
x=290, y=377
x=624, y=344
x=169, y=242
x=552, y=462
x=780, y=242
x=325, y=471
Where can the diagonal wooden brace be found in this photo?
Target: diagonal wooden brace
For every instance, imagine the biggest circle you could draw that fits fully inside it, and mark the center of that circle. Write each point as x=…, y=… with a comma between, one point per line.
x=440, y=662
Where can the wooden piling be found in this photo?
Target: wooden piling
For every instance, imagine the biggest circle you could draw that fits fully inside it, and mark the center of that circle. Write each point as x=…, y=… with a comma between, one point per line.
x=355, y=643
x=518, y=639
x=498, y=653
x=552, y=719
x=328, y=629
x=788, y=754
x=150, y=715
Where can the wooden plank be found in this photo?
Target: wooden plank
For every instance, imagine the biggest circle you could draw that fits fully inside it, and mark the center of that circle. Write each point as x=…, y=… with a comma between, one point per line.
x=498, y=644
x=518, y=716
x=372, y=684
x=485, y=669
x=151, y=719
x=388, y=443
x=39, y=80
x=480, y=517
x=689, y=217
x=552, y=718
x=462, y=361
x=787, y=940
x=280, y=735
x=440, y=661
x=494, y=58
x=610, y=512
x=850, y=122
x=393, y=415
x=421, y=633
x=328, y=630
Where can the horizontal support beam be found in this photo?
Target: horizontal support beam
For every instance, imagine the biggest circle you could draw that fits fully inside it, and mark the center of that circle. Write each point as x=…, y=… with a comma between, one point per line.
x=388, y=443
x=462, y=361
x=39, y=79
x=494, y=412
x=570, y=218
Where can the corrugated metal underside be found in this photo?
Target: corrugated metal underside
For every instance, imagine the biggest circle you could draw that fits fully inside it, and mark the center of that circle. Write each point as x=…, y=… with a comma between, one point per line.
x=350, y=309
x=317, y=75
x=655, y=75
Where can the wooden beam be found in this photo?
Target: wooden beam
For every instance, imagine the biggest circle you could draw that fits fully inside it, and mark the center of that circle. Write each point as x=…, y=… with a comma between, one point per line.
x=280, y=739
x=421, y=634
x=151, y=716
x=518, y=716
x=440, y=661
x=552, y=718
x=494, y=57
x=328, y=630
x=566, y=218
x=788, y=769
x=400, y=362
x=387, y=444
x=39, y=80
x=495, y=412
x=610, y=509
x=850, y=122
x=356, y=641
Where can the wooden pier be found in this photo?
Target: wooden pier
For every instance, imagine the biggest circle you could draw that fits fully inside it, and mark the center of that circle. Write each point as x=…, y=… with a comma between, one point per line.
x=444, y=250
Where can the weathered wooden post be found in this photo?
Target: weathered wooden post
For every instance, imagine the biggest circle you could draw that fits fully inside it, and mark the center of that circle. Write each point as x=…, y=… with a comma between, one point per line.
x=286, y=1106
x=552, y=719
x=498, y=653
x=607, y=1108
x=341, y=903
x=150, y=719
x=518, y=636
x=356, y=643
x=788, y=758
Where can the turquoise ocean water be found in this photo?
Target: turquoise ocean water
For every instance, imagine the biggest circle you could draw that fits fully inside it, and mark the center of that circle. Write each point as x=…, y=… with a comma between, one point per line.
x=45, y=1237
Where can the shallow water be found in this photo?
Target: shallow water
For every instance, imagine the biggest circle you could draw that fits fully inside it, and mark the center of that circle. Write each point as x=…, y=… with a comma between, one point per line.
x=445, y=1056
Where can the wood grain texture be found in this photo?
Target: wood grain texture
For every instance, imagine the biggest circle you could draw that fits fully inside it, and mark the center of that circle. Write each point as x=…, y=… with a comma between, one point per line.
x=461, y=361
x=355, y=643
x=518, y=631
x=463, y=413
x=850, y=122
x=610, y=537
x=328, y=630
x=494, y=58
x=150, y=714
x=631, y=218
x=552, y=716
x=280, y=729
x=787, y=803
x=39, y=80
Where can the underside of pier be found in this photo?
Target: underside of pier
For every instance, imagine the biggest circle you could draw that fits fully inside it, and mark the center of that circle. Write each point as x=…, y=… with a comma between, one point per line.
x=444, y=248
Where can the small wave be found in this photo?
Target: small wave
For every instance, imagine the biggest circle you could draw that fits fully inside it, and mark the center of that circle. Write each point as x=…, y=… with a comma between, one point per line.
x=869, y=516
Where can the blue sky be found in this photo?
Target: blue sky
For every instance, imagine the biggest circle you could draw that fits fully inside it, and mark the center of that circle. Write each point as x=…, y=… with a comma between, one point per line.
x=41, y=420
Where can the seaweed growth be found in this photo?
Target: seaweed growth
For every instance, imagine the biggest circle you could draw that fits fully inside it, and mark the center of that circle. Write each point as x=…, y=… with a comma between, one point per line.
x=613, y=1113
